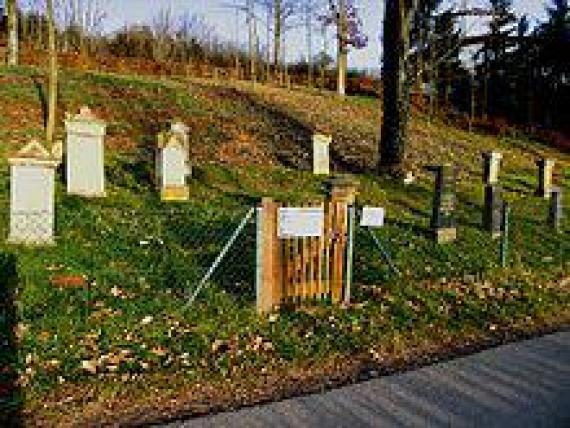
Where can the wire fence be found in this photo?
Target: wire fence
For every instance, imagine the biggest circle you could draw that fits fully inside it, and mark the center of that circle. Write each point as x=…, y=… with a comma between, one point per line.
x=169, y=250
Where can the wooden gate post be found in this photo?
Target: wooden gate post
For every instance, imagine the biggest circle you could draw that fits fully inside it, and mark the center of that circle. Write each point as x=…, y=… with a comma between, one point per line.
x=268, y=275
x=341, y=193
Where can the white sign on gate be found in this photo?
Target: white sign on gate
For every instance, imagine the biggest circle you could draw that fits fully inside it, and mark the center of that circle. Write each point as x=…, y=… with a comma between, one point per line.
x=301, y=222
x=373, y=217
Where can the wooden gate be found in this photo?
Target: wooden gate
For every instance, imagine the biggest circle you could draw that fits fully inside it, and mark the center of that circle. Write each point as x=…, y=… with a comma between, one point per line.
x=303, y=269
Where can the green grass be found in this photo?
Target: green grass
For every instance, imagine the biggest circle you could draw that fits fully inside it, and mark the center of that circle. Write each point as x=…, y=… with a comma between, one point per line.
x=154, y=253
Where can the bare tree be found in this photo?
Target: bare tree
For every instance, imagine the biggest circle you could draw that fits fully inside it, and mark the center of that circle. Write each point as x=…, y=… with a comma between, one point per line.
x=52, y=92
x=345, y=16
x=163, y=28
x=12, y=10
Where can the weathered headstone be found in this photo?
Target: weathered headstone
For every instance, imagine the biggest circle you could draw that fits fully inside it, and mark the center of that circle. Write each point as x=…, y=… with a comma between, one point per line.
x=491, y=167
x=556, y=208
x=173, y=163
x=443, y=224
x=321, y=154
x=32, y=183
x=545, y=170
x=85, y=149
x=492, y=210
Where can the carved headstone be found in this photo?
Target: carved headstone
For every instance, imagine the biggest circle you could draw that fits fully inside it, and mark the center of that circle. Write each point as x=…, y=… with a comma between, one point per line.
x=491, y=167
x=173, y=163
x=321, y=154
x=556, y=208
x=545, y=171
x=85, y=149
x=443, y=223
x=492, y=211
x=32, y=183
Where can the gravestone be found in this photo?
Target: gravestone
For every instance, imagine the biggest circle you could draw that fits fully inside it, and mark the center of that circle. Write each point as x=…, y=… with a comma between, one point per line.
x=556, y=208
x=491, y=166
x=85, y=159
x=443, y=224
x=545, y=170
x=173, y=163
x=321, y=154
x=32, y=183
x=493, y=210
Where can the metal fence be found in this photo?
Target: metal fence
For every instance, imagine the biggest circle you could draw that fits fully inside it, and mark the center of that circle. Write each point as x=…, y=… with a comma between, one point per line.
x=172, y=249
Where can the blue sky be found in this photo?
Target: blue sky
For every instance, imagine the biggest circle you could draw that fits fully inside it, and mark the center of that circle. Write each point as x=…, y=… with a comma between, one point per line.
x=222, y=19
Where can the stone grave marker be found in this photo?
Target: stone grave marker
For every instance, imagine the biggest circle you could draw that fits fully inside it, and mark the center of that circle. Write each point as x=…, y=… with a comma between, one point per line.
x=556, y=208
x=545, y=171
x=493, y=210
x=85, y=154
x=173, y=163
x=491, y=167
x=32, y=184
x=443, y=223
x=321, y=154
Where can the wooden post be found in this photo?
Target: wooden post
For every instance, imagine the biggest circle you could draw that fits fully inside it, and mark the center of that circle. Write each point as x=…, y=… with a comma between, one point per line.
x=268, y=258
x=341, y=194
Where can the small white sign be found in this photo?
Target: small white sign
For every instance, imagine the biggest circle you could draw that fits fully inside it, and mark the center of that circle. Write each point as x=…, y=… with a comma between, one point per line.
x=372, y=217
x=301, y=222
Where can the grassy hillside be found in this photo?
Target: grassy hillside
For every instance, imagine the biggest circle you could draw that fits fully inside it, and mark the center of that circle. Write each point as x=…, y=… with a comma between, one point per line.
x=142, y=258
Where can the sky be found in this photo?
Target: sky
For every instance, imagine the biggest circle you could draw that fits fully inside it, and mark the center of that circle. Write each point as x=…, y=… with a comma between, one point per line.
x=222, y=19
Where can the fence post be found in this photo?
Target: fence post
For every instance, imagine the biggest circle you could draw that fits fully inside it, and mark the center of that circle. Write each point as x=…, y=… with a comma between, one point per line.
x=350, y=252
x=505, y=235
x=341, y=193
x=268, y=278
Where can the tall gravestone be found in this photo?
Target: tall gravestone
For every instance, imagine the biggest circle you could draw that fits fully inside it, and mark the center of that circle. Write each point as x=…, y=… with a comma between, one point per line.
x=443, y=223
x=491, y=167
x=555, y=209
x=32, y=207
x=545, y=172
x=173, y=163
x=492, y=211
x=85, y=154
x=321, y=154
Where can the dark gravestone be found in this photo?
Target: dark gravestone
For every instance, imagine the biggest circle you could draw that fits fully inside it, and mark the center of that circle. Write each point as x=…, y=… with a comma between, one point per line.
x=492, y=210
x=443, y=224
x=555, y=212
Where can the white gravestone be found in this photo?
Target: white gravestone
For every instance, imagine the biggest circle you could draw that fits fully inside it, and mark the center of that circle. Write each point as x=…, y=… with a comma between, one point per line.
x=321, y=154
x=173, y=163
x=32, y=182
x=372, y=217
x=301, y=222
x=85, y=162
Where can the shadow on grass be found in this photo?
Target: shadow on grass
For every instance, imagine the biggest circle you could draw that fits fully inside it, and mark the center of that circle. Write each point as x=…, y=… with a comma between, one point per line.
x=288, y=138
x=11, y=396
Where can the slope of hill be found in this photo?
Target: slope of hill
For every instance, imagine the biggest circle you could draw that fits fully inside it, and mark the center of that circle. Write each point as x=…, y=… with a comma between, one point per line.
x=124, y=345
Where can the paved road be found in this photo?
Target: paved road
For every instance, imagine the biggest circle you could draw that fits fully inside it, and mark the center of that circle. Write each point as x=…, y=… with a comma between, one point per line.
x=525, y=384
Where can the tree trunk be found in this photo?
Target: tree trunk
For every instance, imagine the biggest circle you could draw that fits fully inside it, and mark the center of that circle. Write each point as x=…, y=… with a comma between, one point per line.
x=268, y=53
x=309, y=25
x=252, y=41
x=396, y=89
x=12, y=10
x=323, y=55
x=52, y=94
x=342, y=58
x=277, y=14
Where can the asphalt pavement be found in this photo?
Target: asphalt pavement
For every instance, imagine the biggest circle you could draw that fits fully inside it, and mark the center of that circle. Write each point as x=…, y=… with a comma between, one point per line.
x=525, y=384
